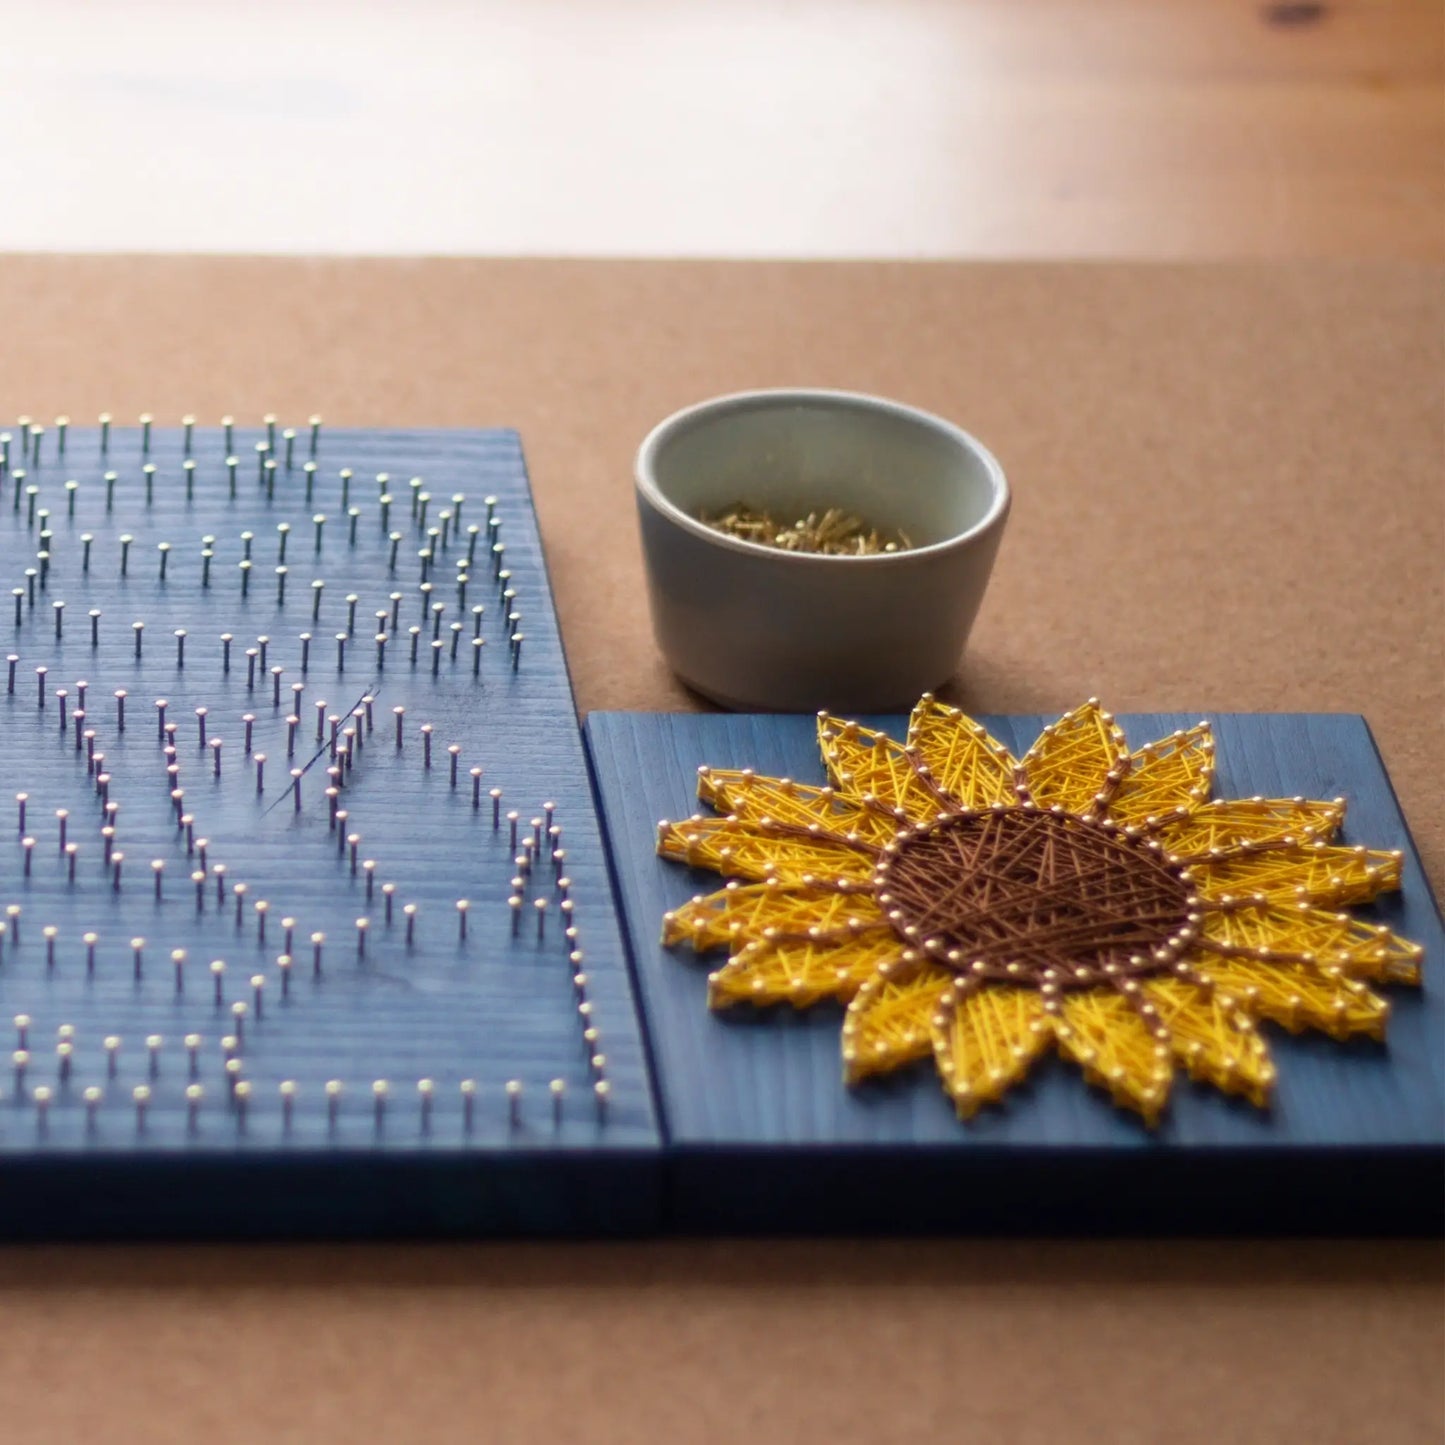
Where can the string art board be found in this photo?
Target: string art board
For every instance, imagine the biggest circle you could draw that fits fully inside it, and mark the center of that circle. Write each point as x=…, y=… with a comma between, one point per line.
x=764, y=1134
x=281, y=713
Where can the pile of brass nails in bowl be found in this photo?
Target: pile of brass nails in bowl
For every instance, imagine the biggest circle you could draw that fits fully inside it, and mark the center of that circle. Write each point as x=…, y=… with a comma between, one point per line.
x=835, y=533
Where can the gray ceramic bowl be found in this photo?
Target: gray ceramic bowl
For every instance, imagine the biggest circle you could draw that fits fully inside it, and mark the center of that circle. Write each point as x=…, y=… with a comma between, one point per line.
x=754, y=627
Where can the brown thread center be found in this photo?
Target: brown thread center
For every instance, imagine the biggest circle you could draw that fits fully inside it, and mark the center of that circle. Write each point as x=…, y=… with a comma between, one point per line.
x=1027, y=896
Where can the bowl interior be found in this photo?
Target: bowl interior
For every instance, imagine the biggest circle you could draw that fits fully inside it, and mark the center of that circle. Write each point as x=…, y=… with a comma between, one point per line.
x=793, y=453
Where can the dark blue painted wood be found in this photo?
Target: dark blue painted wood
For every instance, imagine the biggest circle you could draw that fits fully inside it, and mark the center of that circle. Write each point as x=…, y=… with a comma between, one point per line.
x=761, y=1133
x=764, y=1134
x=493, y=1008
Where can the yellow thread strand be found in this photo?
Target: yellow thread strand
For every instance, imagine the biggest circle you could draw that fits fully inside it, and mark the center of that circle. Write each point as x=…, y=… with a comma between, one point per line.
x=1106, y=1036
x=751, y=798
x=1213, y=1037
x=1298, y=996
x=1071, y=762
x=1245, y=823
x=1303, y=934
x=799, y=973
x=963, y=759
x=746, y=913
x=863, y=763
x=889, y=1022
x=745, y=850
x=1317, y=873
x=1166, y=779
x=984, y=1041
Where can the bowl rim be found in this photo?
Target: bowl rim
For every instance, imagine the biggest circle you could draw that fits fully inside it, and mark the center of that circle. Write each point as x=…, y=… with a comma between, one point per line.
x=645, y=477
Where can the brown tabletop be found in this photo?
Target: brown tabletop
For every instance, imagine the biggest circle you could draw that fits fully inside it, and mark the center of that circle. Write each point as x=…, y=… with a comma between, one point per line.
x=1228, y=495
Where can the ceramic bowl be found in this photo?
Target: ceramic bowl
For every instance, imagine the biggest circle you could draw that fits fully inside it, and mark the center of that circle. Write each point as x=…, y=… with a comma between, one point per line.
x=750, y=626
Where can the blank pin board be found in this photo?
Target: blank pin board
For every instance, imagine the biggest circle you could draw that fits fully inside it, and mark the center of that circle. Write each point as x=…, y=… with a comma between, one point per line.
x=764, y=1134
x=307, y=923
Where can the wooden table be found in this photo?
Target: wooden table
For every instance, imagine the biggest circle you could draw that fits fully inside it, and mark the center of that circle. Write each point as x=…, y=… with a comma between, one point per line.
x=1227, y=495
x=1143, y=128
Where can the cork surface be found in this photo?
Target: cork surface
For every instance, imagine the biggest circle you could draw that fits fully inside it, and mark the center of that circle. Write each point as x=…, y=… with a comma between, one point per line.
x=1227, y=495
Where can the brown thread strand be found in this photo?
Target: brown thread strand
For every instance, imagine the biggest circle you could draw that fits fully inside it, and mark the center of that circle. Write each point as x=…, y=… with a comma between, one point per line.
x=1023, y=894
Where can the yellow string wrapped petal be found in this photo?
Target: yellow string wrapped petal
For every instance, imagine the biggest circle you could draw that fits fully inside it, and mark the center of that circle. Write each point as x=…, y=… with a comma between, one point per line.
x=1316, y=873
x=1297, y=995
x=1213, y=1037
x=1077, y=761
x=750, y=850
x=863, y=763
x=1106, y=1035
x=1166, y=779
x=750, y=797
x=984, y=1039
x=798, y=972
x=1302, y=934
x=963, y=759
x=744, y=913
x=1242, y=823
x=889, y=1022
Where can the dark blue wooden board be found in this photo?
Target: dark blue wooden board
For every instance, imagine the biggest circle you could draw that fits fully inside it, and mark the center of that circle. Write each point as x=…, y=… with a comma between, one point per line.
x=490, y=1008
x=764, y=1135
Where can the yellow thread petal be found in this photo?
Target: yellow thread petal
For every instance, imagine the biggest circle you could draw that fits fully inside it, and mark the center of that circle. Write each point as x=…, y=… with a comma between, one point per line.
x=1307, y=873
x=745, y=913
x=1312, y=935
x=751, y=797
x=1300, y=996
x=745, y=850
x=1239, y=823
x=863, y=763
x=1213, y=1037
x=1167, y=778
x=984, y=1040
x=1106, y=1036
x=963, y=759
x=889, y=1022
x=799, y=973
x=1072, y=760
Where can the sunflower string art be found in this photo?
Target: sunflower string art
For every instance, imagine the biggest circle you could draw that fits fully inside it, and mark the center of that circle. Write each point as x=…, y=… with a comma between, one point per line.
x=981, y=910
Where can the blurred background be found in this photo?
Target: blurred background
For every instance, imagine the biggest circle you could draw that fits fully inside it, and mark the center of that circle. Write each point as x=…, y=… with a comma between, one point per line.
x=823, y=128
